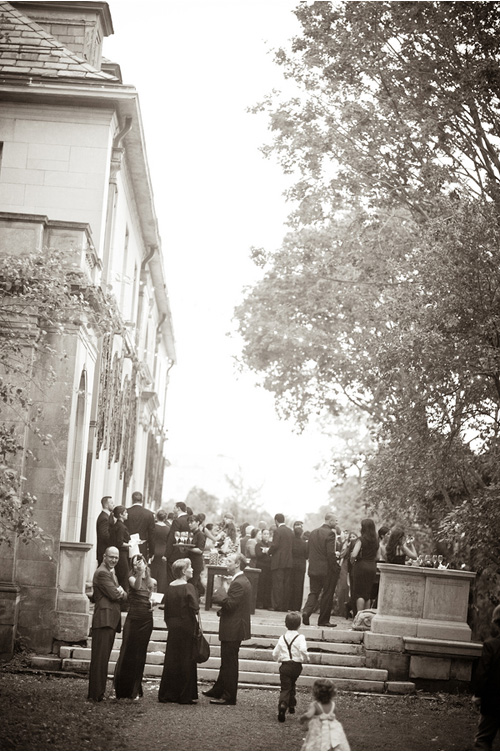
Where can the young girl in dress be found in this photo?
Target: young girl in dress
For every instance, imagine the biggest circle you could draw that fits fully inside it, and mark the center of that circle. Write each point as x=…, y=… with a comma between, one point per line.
x=324, y=731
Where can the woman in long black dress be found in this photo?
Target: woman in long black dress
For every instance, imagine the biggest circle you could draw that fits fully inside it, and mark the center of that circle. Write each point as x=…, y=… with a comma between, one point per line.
x=364, y=559
x=119, y=537
x=136, y=632
x=179, y=677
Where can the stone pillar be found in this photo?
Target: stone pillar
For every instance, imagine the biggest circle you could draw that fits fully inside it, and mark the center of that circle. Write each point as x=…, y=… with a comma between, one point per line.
x=72, y=615
x=9, y=608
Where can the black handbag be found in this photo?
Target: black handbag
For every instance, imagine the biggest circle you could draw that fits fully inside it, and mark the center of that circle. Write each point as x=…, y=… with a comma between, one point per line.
x=201, y=645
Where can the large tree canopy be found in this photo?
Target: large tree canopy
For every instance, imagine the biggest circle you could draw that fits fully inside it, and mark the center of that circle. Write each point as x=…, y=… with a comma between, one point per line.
x=398, y=100
x=385, y=292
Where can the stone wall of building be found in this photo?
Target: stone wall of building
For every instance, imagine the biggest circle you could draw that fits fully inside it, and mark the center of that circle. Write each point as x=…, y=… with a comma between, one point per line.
x=74, y=177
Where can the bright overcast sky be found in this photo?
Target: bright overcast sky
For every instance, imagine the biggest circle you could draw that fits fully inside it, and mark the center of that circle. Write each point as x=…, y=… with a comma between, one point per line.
x=197, y=66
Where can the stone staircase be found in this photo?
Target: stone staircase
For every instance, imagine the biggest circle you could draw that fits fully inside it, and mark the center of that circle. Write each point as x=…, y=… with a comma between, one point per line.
x=334, y=653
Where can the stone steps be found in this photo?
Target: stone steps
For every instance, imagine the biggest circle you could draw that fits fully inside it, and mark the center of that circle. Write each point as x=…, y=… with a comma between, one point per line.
x=255, y=673
x=78, y=659
x=262, y=643
x=158, y=640
x=156, y=652
x=337, y=654
x=247, y=679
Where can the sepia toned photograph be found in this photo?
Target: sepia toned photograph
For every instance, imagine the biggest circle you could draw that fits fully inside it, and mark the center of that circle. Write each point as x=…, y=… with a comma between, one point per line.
x=249, y=375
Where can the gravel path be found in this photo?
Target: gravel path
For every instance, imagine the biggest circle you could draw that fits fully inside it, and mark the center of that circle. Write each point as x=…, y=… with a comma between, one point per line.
x=42, y=712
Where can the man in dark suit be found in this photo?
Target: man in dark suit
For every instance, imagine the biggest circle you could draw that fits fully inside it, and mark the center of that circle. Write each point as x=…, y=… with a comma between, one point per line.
x=106, y=622
x=324, y=571
x=142, y=521
x=234, y=626
x=179, y=525
x=281, y=564
x=104, y=520
x=486, y=687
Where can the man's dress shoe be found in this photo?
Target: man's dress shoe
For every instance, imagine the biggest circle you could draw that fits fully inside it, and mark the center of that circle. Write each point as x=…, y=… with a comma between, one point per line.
x=221, y=702
x=328, y=624
x=210, y=693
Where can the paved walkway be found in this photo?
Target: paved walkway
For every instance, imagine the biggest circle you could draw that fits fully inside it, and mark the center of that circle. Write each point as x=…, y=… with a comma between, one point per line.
x=277, y=618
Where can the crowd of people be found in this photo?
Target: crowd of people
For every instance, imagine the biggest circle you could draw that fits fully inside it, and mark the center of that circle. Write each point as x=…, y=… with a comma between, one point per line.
x=341, y=564
x=144, y=559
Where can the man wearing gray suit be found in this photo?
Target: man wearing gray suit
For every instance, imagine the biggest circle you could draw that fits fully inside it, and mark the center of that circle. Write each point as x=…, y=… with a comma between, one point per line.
x=106, y=622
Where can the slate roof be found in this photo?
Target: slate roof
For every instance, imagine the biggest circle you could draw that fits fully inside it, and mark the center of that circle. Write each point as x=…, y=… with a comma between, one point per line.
x=27, y=49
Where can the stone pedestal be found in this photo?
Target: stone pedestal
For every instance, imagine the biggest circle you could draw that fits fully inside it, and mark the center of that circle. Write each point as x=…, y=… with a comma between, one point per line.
x=420, y=632
x=9, y=608
x=72, y=624
x=423, y=602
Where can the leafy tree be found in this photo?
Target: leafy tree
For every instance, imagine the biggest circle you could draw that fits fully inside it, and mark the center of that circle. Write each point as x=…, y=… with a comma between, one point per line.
x=42, y=293
x=392, y=338
x=242, y=501
x=314, y=320
x=350, y=507
x=345, y=499
x=315, y=519
x=384, y=294
x=472, y=531
x=398, y=101
x=201, y=501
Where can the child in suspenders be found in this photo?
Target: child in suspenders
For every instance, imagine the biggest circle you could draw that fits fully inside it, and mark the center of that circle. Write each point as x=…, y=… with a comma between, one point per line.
x=290, y=652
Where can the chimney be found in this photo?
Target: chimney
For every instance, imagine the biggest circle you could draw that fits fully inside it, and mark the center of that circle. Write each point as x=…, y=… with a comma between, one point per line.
x=79, y=26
